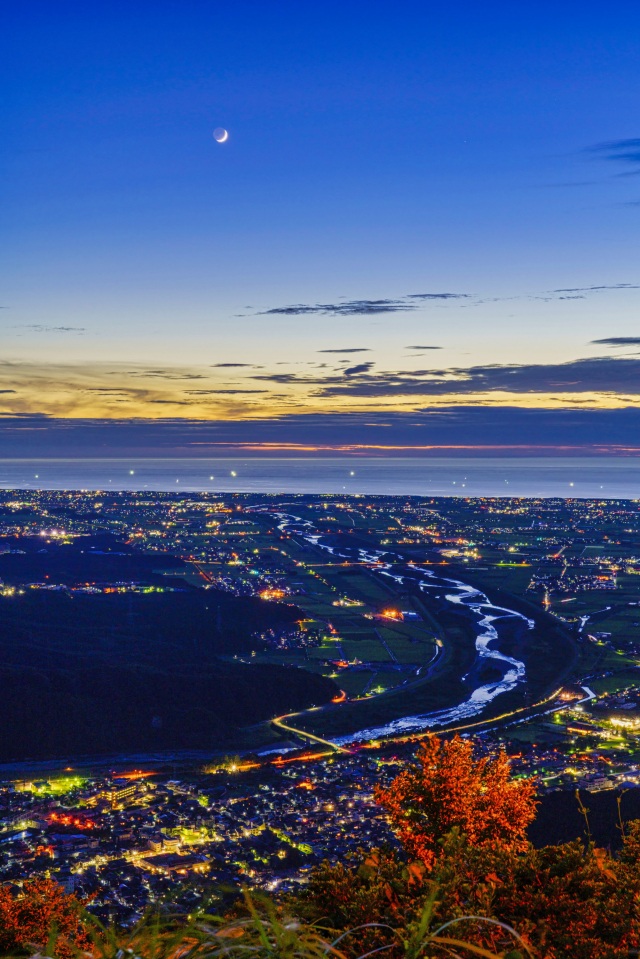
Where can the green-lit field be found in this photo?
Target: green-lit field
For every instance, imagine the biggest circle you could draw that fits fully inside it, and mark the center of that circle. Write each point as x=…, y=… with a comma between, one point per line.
x=625, y=679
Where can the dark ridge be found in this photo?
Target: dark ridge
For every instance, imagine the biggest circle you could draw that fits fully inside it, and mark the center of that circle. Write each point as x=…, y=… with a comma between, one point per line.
x=559, y=818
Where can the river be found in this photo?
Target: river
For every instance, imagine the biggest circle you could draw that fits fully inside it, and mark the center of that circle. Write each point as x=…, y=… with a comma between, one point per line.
x=487, y=617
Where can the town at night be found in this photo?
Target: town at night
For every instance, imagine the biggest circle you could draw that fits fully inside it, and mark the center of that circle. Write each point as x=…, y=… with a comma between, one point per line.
x=212, y=687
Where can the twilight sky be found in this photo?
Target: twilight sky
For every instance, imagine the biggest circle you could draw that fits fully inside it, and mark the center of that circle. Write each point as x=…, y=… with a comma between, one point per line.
x=421, y=232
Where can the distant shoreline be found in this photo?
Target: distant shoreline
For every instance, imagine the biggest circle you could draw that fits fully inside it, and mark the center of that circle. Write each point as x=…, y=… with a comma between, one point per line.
x=569, y=477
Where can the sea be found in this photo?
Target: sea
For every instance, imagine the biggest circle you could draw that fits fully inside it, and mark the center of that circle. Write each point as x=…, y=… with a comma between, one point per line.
x=601, y=477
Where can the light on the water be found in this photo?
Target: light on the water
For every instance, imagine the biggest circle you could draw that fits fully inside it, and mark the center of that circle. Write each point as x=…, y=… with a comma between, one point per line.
x=233, y=473
x=131, y=472
x=352, y=473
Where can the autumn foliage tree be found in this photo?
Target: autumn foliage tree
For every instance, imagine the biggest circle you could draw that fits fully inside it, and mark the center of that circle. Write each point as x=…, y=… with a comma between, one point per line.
x=464, y=865
x=41, y=917
x=462, y=823
x=450, y=788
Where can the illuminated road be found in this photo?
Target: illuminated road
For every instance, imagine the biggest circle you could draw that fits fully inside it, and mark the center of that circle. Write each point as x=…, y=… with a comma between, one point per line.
x=522, y=714
x=280, y=723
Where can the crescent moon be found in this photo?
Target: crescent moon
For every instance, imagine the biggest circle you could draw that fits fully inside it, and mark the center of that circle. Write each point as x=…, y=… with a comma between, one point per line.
x=220, y=135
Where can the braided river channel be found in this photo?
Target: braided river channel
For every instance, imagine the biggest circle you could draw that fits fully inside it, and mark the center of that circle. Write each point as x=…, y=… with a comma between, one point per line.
x=489, y=621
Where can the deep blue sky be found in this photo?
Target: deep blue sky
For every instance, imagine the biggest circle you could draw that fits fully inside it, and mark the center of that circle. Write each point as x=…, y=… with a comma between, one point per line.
x=376, y=150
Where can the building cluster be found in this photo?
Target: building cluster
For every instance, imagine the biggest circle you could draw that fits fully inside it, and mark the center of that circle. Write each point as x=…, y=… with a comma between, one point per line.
x=130, y=841
x=126, y=843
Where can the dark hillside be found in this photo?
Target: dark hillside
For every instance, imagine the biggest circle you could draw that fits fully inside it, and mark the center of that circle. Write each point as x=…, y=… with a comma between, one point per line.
x=85, y=674
x=85, y=559
x=94, y=710
x=559, y=818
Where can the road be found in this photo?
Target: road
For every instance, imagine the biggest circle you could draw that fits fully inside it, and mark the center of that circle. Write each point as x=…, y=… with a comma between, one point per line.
x=279, y=721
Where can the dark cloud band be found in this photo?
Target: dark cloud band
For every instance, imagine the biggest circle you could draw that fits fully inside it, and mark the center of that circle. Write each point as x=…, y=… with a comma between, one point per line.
x=611, y=375
x=452, y=430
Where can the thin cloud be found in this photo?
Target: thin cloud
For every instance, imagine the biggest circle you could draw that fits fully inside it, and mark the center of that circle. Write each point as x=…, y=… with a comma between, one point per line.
x=439, y=296
x=618, y=341
x=620, y=151
x=351, y=349
x=597, y=289
x=415, y=301
x=111, y=390
x=41, y=328
x=221, y=392
x=572, y=292
x=220, y=366
x=423, y=347
x=348, y=308
x=38, y=417
x=286, y=378
x=168, y=374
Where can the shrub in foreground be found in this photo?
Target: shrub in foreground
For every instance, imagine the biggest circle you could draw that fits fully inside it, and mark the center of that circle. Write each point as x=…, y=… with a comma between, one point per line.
x=43, y=918
x=462, y=825
x=266, y=931
x=465, y=882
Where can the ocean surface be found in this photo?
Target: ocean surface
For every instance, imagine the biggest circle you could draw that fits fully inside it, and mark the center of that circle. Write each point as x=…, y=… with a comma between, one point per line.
x=581, y=477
